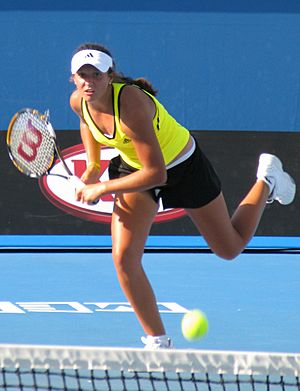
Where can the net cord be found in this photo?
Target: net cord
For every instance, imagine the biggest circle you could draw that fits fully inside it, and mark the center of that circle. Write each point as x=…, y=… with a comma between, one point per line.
x=135, y=359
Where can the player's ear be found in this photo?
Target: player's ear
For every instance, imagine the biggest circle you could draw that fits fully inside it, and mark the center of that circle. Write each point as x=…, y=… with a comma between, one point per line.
x=111, y=75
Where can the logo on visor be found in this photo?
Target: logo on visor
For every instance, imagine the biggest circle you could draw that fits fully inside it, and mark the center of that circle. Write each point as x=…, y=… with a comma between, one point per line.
x=58, y=191
x=88, y=55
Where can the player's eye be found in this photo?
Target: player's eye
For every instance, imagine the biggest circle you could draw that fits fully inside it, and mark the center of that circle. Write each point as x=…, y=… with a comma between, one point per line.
x=95, y=75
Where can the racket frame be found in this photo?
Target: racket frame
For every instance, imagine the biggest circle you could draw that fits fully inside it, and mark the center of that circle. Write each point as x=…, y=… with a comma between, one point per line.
x=76, y=182
x=57, y=153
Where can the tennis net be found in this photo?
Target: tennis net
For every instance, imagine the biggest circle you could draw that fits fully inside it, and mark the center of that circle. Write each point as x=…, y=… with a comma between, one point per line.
x=73, y=368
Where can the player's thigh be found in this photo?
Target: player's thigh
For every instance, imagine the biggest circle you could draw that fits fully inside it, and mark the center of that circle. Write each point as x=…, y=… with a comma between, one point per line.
x=132, y=219
x=214, y=224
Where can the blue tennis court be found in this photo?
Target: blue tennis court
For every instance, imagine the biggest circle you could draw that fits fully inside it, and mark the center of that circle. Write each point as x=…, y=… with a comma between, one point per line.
x=73, y=298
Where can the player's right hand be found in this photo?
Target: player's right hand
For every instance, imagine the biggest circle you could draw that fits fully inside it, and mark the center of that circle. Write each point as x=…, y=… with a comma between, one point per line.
x=91, y=175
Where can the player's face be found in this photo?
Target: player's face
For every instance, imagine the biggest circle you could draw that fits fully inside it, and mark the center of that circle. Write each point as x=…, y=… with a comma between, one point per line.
x=91, y=83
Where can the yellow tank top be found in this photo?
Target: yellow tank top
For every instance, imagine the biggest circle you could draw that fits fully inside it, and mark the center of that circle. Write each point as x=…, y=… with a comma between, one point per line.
x=172, y=136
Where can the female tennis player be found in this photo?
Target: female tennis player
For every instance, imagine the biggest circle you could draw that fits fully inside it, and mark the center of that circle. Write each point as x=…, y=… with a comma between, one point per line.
x=159, y=159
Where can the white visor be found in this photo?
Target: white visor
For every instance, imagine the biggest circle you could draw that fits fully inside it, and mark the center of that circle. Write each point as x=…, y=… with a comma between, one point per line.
x=99, y=60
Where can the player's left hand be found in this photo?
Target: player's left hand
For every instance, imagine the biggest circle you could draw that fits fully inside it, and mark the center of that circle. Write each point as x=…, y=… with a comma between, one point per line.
x=90, y=194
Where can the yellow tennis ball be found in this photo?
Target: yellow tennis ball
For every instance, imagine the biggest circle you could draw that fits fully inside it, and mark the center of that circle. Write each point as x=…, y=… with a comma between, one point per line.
x=194, y=325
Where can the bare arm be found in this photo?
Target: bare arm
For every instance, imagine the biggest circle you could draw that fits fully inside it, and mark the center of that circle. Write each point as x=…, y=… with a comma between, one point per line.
x=91, y=146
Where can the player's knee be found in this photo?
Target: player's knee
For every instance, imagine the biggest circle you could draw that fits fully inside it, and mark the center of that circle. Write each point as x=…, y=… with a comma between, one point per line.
x=119, y=259
x=125, y=260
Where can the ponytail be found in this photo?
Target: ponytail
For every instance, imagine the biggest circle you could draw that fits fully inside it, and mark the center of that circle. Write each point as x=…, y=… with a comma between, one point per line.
x=140, y=82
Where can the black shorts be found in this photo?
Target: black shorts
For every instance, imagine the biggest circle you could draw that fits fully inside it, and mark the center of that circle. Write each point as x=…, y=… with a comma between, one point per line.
x=191, y=184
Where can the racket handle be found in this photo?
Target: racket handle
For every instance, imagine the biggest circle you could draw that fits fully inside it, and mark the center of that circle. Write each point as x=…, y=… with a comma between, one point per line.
x=78, y=185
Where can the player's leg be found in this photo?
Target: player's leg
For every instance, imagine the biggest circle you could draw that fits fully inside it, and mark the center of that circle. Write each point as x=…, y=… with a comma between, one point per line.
x=229, y=236
x=131, y=222
x=226, y=236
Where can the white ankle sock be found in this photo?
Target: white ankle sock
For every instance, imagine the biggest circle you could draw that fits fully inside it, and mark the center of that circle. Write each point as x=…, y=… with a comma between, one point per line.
x=270, y=181
x=158, y=340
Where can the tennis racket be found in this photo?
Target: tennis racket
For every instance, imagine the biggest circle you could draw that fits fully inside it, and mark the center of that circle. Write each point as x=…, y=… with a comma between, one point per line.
x=33, y=147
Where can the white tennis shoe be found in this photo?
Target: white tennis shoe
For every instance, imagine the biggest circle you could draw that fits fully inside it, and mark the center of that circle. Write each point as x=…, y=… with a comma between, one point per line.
x=155, y=343
x=282, y=186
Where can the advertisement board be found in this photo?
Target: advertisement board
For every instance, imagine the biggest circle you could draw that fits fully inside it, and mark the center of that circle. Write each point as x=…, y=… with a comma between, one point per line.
x=46, y=206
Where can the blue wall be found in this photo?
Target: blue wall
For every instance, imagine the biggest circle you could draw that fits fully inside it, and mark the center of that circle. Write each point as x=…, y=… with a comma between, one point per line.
x=218, y=64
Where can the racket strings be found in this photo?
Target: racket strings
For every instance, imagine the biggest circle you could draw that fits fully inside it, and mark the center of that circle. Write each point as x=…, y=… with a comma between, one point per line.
x=31, y=146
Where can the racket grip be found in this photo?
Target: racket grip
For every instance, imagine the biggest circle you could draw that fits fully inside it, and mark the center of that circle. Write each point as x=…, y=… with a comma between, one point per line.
x=78, y=185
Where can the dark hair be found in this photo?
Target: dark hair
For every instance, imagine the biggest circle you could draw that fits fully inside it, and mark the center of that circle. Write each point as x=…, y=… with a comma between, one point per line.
x=117, y=76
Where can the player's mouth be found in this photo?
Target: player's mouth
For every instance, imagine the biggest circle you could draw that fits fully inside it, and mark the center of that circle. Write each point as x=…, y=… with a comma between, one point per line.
x=89, y=92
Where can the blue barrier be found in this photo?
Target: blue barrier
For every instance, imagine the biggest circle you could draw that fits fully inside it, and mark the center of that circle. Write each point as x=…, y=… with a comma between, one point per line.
x=218, y=65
